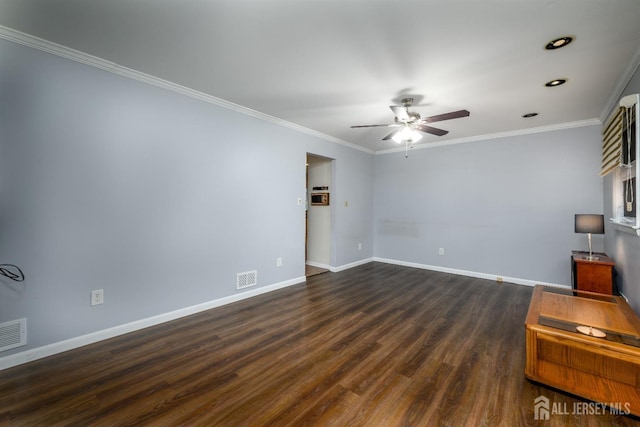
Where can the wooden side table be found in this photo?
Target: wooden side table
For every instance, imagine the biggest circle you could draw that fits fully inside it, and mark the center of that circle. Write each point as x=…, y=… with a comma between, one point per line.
x=592, y=275
x=606, y=368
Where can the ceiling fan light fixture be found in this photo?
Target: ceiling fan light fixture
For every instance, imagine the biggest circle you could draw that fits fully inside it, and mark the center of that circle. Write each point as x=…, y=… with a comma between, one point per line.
x=406, y=135
x=558, y=43
x=411, y=124
x=415, y=137
x=556, y=82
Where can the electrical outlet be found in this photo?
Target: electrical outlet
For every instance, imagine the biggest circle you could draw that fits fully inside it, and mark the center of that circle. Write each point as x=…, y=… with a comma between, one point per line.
x=359, y=246
x=441, y=251
x=97, y=297
x=279, y=262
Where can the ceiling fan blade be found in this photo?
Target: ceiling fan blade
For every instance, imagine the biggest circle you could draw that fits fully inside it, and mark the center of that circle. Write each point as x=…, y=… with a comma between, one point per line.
x=372, y=126
x=431, y=130
x=402, y=113
x=446, y=116
x=391, y=135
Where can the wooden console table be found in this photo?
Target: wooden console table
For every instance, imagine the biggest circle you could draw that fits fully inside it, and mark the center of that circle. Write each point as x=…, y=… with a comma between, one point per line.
x=605, y=370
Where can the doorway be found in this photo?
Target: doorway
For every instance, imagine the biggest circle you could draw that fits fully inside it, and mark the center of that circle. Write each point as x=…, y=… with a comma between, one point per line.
x=318, y=215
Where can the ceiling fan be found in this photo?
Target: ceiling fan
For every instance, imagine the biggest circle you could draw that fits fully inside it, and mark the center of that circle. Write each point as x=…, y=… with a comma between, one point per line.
x=408, y=122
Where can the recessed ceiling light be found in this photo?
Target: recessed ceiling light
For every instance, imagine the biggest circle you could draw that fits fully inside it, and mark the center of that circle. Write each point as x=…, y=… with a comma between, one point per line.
x=556, y=82
x=528, y=115
x=558, y=43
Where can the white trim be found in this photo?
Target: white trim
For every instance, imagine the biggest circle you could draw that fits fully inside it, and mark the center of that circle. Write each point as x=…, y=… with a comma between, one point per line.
x=72, y=343
x=494, y=277
x=507, y=134
x=351, y=265
x=318, y=264
x=623, y=80
x=624, y=296
x=625, y=228
x=75, y=55
x=341, y=267
x=76, y=342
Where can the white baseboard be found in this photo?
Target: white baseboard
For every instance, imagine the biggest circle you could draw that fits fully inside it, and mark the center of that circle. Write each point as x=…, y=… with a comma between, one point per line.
x=351, y=265
x=494, y=277
x=319, y=265
x=72, y=343
x=341, y=267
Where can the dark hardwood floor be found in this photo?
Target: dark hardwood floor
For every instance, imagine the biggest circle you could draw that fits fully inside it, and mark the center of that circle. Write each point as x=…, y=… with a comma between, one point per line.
x=310, y=270
x=376, y=345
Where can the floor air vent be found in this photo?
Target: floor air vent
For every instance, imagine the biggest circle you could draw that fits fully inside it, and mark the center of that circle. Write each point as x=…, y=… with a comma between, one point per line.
x=247, y=279
x=13, y=334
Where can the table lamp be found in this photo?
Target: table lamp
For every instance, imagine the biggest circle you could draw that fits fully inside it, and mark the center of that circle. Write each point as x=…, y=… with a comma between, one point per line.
x=590, y=224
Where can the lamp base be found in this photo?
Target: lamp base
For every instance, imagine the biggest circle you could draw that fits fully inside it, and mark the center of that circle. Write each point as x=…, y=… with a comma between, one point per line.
x=591, y=257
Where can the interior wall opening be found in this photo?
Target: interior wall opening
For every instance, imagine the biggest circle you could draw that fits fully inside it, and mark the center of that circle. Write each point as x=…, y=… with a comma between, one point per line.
x=318, y=215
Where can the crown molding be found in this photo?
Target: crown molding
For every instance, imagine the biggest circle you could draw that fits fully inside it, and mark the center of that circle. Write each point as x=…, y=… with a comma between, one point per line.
x=624, y=78
x=43, y=45
x=507, y=134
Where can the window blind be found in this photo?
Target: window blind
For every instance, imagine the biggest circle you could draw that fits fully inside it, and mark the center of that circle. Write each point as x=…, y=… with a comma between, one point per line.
x=612, y=142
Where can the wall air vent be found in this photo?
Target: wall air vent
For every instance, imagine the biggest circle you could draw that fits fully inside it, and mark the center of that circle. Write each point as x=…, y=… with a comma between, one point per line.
x=247, y=279
x=13, y=334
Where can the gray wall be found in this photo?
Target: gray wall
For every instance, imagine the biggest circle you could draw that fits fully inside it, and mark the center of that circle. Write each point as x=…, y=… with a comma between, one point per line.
x=157, y=198
x=501, y=207
x=622, y=247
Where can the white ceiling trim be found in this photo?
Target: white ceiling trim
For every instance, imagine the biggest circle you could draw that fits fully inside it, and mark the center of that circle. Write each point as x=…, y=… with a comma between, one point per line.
x=527, y=131
x=623, y=80
x=96, y=62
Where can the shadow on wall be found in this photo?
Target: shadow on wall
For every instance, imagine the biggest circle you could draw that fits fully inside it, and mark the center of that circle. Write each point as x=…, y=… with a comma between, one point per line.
x=408, y=229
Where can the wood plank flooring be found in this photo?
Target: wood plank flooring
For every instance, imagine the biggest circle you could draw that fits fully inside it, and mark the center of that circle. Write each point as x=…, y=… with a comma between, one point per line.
x=311, y=270
x=376, y=345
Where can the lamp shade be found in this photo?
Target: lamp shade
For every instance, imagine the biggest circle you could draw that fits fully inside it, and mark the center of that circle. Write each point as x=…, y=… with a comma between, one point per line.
x=590, y=223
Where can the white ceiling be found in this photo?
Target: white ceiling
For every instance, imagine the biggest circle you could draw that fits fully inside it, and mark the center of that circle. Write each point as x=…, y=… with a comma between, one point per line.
x=329, y=64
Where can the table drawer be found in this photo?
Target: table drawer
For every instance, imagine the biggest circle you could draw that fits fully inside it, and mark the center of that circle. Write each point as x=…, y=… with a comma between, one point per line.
x=601, y=362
